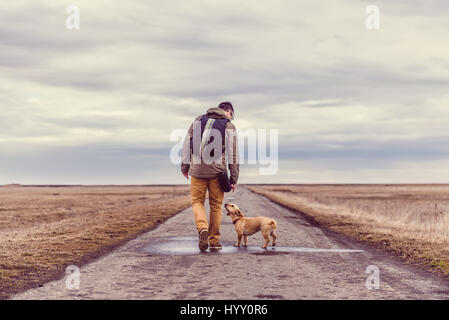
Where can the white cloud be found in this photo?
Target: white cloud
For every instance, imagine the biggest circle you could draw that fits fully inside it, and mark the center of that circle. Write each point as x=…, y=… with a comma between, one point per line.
x=137, y=70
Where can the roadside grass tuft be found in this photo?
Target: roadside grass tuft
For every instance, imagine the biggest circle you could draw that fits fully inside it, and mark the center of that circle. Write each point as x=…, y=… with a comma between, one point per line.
x=42, y=232
x=410, y=220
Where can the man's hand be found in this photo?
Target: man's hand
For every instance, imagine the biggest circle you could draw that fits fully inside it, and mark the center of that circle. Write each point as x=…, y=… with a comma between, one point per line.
x=233, y=187
x=186, y=174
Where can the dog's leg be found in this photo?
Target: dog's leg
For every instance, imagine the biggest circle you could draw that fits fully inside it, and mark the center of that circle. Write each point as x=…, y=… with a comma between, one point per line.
x=239, y=239
x=245, y=240
x=273, y=235
x=267, y=240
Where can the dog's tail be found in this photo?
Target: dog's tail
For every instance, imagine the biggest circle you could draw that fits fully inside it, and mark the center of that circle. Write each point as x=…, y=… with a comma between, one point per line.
x=273, y=223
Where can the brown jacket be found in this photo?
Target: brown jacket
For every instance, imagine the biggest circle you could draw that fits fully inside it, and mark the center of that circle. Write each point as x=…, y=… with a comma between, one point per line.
x=206, y=171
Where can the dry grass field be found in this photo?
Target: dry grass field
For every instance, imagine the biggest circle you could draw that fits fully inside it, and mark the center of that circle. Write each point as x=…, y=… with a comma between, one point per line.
x=45, y=229
x=412, y=220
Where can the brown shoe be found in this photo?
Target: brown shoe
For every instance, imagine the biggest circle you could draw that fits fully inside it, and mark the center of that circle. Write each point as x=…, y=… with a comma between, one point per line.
x=202, y=242
x=215, y=246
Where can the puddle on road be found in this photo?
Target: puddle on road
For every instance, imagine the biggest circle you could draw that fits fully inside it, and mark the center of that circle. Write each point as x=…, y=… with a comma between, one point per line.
x=180, y=246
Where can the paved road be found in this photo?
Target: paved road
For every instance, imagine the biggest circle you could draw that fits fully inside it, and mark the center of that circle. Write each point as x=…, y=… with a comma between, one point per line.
x=137, y=270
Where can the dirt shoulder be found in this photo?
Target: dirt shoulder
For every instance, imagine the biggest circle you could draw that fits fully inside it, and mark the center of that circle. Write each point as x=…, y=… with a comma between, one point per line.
x=429, y=253
x=43, y=230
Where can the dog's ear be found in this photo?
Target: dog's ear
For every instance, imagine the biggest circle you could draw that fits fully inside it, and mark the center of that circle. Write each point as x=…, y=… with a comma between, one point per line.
x=239, y=213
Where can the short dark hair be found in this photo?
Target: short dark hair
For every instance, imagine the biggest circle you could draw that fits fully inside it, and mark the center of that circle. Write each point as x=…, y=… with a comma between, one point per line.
x=227, y=106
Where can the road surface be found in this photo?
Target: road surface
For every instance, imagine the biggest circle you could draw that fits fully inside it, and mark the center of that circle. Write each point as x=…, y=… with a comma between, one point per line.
x=165, y=264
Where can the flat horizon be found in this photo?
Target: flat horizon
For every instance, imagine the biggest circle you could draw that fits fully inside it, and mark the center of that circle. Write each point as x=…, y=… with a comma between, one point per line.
x=260, y=184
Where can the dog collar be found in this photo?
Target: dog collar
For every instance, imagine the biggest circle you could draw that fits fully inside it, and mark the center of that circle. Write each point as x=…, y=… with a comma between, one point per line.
x=235, y=221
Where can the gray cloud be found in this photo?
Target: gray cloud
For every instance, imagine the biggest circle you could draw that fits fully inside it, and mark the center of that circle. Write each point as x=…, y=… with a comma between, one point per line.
x=342, y=97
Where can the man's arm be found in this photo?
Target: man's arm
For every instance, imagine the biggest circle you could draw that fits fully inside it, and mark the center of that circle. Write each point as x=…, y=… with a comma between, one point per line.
x=232, y=153
x=185, y=154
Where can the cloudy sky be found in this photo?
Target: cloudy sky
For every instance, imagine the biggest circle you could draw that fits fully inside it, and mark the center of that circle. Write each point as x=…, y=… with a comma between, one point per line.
x=97, y=105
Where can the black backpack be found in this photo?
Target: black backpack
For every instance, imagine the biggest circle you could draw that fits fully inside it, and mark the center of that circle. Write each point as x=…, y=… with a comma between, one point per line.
x=218, y=124
x=211, y=123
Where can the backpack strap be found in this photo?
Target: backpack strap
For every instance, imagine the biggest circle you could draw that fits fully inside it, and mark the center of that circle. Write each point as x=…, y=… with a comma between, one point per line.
x=207, y=124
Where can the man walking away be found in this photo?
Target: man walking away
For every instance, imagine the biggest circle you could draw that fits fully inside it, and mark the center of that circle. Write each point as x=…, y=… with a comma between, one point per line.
x=203, y=172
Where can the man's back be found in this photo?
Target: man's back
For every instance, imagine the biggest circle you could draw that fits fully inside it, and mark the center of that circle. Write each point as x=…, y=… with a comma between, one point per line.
x=194, y=163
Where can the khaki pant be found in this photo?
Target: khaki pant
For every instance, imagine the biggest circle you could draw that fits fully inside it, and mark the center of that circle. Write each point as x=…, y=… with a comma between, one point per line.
x=198, y=189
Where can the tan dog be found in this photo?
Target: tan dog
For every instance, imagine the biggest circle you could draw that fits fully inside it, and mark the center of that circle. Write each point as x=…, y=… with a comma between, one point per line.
x=246, y=226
